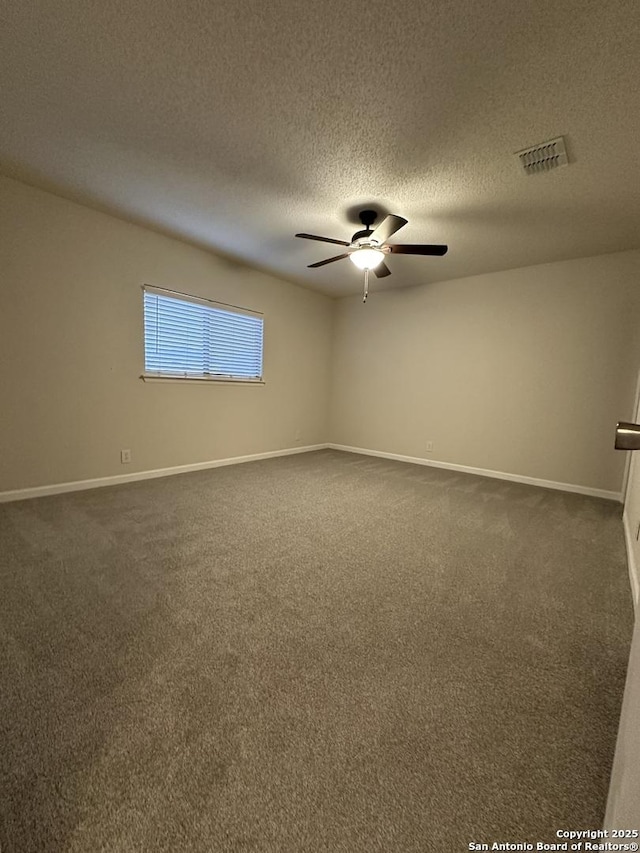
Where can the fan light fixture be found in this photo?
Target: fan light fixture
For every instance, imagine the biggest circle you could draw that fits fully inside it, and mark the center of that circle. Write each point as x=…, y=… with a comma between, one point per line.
x=367, y=259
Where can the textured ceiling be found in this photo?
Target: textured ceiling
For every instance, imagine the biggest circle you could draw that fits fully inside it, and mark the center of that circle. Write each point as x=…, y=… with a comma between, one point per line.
x=235, y=124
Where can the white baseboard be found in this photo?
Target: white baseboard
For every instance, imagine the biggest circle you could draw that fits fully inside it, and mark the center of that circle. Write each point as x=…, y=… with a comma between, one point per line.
x=485, y=472
x=80, y=485
x=634, y=577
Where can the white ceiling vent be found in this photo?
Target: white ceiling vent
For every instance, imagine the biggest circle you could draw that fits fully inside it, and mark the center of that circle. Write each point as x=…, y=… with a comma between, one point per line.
x=542, y=157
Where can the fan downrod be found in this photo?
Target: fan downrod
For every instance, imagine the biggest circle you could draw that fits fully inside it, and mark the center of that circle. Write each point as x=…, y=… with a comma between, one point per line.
x=368, y=217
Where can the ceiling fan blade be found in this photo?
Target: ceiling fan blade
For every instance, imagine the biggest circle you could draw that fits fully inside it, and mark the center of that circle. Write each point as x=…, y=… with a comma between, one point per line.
x=329, y=260
x=389, y=225
x=417, y=249
x=323, y=239
x=381, y=270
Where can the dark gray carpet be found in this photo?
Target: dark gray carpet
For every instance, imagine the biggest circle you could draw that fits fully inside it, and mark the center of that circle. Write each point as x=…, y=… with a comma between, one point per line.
x=323, y=652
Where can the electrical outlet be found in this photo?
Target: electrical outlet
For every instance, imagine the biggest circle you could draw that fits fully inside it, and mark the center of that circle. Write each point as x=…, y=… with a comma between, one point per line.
x=125, y=456
x=429, y=447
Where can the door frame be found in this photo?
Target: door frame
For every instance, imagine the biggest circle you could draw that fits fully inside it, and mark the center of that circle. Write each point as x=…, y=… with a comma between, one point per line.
x=627, y=465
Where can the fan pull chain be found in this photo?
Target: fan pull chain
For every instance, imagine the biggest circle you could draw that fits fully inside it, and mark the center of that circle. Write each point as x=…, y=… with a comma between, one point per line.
x=366, y=285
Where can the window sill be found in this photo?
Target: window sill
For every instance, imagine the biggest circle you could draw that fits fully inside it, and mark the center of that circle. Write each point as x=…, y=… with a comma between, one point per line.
x=201, y=380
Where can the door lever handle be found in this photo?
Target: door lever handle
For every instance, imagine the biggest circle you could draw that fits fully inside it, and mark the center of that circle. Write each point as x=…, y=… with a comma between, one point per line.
x=627, y=436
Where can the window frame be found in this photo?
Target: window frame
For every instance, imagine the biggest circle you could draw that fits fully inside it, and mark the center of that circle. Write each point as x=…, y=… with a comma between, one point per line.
x=229, y=379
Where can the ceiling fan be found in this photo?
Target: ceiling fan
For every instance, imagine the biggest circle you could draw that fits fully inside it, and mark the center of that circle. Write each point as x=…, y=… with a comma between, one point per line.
x=369, y=246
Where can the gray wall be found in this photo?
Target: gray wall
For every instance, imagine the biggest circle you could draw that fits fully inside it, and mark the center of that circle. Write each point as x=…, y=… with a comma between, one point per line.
x=496, y=370
x=524, y=371
x=71, y=350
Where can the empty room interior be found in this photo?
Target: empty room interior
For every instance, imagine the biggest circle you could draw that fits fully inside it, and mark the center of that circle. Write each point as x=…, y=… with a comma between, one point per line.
x=305, y=547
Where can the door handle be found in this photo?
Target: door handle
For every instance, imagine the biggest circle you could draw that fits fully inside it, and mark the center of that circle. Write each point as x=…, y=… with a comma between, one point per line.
x=627, y=436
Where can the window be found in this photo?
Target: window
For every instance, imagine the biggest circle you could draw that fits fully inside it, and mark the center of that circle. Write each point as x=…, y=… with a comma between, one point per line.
x=190, y=338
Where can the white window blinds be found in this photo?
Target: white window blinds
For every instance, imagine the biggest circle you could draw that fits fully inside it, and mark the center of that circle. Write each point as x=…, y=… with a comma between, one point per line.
x=190, y=338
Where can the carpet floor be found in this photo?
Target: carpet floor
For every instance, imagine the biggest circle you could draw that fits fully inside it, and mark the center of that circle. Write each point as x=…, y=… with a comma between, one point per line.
x=323, y=652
